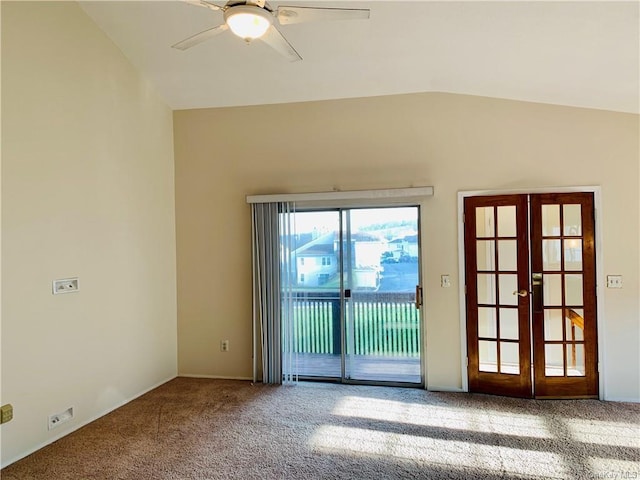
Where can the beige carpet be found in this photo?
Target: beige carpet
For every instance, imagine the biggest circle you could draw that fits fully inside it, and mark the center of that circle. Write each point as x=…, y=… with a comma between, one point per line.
x=207, y=429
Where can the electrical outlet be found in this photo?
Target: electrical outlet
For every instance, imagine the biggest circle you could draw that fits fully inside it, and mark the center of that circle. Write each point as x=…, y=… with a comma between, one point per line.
x=6, y=412
x=65, y=285
x=60, y=418
x=224, y=346
x=614, y=281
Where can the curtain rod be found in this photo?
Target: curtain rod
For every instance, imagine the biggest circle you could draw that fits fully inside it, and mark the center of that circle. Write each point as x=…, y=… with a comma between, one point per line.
x=389, y=193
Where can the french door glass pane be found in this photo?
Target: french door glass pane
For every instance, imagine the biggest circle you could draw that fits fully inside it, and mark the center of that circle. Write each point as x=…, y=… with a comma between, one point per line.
x=508, y=285
x=507, y=221
x=552, y=291
x=554, y=360
x=485, y=223
x=551, y=255
x=575, y=324
x=507, y=255
x=487, y=322
x=573, y=290
x=509, y=323
x=486, y=255
x=509, y=358
x=572, y=220
x=553, y=324
x=550, y=220
x=573, y=254
x=486, y=288
x=488, y=355
x=575, y=360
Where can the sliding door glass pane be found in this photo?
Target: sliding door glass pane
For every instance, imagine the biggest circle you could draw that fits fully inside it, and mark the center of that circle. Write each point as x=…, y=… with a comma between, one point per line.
x=381, y=268
x=315, y=271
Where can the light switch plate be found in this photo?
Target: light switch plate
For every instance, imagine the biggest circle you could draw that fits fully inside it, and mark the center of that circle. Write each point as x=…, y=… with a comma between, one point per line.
x=445, y=281
x=614, y=281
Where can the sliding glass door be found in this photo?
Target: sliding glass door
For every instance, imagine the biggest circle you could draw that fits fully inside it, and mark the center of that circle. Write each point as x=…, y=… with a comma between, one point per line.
x=356, y=295
x=314, y=276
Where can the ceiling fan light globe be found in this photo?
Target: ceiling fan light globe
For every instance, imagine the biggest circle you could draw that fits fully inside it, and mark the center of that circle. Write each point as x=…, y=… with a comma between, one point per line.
x=248, y=22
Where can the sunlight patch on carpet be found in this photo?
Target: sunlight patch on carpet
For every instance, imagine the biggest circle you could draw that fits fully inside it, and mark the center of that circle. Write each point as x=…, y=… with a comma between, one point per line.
x=616, y=434
x=610, y=468
x=437, y=452
x=482, y=421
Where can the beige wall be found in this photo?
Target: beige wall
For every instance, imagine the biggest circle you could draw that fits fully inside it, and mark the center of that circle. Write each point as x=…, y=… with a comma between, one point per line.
x=452, y=142
x=88, y=191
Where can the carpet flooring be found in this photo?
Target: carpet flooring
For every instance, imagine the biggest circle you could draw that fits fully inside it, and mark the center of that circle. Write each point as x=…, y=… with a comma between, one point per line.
x=209, y=429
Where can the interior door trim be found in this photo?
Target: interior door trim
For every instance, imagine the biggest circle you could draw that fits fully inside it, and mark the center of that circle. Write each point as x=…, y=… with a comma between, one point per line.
x=600, y=277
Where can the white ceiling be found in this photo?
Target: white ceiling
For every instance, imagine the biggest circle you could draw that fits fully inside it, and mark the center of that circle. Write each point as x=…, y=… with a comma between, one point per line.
x=578, y=53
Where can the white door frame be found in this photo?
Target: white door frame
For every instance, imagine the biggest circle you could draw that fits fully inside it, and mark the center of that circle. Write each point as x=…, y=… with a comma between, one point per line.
x=600, y=280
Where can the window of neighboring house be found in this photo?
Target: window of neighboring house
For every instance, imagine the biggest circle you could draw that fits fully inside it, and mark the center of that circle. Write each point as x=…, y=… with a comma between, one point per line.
x=323, y=278
x=302, y=278
x=301, y=260
x=326, y=260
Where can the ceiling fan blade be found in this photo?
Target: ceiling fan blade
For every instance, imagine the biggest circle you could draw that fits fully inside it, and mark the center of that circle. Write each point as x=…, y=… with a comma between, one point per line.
x=291, y=15
x=203, y=3
x=276, y=40
x=200, y=37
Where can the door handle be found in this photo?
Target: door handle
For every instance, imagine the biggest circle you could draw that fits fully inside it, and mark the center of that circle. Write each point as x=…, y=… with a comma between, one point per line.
x=418, y=296
x=521, y=293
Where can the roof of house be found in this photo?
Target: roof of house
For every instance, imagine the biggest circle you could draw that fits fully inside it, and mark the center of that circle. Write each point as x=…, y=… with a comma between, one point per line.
x=406, y=238
x=325, y=244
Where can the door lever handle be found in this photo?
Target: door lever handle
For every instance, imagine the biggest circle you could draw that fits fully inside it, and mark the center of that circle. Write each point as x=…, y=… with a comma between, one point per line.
x=521, y=293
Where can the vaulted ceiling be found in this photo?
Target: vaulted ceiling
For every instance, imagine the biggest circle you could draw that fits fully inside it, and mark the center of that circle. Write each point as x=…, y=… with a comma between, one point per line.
x=577, y=53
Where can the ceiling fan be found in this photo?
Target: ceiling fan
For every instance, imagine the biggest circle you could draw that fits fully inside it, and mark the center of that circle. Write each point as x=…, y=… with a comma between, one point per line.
x=255, y=19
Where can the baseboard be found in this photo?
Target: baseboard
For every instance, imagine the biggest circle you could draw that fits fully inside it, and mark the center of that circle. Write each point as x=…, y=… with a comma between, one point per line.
x=213, y=377
x=438, y=388
x=87, y=422
x=622, y=399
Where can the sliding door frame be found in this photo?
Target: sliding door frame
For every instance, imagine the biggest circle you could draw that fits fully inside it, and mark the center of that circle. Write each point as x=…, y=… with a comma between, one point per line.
x=348, y=206
x=600, y=280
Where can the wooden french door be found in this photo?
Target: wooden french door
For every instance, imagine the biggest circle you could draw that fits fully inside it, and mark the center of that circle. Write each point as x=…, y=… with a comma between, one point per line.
x=530, y=295
x=496, y=256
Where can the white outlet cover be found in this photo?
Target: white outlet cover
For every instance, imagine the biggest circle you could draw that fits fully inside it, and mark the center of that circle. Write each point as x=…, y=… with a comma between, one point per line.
x=59, y=418
x=66, y=285
x=614, y=281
